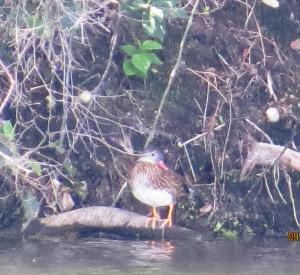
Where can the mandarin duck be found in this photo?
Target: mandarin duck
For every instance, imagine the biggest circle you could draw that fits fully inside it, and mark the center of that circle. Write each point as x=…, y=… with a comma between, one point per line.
x=154, y=184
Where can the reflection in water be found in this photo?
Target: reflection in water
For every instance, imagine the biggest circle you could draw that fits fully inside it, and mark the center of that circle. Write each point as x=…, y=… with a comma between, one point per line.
x=157, y=253
x=98, y=256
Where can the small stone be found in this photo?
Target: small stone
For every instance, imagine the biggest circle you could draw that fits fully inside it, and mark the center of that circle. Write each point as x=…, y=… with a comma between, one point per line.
x=272, y=114
x=85, y=97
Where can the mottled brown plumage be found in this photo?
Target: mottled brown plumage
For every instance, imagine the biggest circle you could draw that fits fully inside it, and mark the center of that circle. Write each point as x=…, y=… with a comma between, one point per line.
x=159, y=178
x=154, y=184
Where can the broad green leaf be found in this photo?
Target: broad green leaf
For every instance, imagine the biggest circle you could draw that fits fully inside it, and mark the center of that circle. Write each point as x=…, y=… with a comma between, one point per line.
x=129, y=68
x=153, y=25
x=129, y=49
x=157, y=13
x=141, y=61
x=153, y=58
x=142, y=74
x=150, y=45
x=8, y=130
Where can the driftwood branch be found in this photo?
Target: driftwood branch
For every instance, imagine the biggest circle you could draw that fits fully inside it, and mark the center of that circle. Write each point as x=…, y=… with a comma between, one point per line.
x=107, y=219
x=268, y=154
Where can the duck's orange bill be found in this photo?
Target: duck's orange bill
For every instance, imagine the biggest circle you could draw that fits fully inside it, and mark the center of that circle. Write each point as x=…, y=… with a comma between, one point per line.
x=162, y=165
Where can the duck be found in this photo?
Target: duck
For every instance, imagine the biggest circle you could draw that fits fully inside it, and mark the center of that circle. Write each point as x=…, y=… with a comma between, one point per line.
x=154, y=184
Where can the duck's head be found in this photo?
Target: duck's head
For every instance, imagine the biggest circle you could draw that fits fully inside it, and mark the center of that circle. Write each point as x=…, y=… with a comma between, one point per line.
x=154, y=157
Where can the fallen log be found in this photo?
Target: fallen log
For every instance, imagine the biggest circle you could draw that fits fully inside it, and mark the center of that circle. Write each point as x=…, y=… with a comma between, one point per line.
x=109, y=220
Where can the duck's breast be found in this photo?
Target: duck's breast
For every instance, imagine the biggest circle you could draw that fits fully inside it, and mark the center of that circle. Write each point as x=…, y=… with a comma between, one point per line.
x=145, y=193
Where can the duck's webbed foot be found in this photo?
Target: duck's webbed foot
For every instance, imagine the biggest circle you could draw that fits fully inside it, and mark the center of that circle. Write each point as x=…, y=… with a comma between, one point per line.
x=153, y=219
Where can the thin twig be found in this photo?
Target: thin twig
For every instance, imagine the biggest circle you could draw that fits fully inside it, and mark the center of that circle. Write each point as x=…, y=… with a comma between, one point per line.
x=12, y=162
x=190, y=163
x=173, y=73
x=114, y=42
x=199, y=136
x=120, y=193
x=11, y=88
x=276, y=180
x=208, y=82
x=288, y=180
x=259, y=130
x=268, y=189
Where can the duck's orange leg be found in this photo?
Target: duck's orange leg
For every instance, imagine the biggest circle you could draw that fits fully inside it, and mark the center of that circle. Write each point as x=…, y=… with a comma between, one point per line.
x=153, y=219
x=168, y=220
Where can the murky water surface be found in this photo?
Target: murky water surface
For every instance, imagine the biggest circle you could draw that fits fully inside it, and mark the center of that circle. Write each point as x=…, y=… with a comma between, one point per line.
x=102, y=256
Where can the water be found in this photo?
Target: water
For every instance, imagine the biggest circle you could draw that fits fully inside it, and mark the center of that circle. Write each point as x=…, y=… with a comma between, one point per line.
x=103, y=256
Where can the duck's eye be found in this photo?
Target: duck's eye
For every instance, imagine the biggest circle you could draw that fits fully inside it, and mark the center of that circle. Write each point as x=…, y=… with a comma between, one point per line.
x=153, y=154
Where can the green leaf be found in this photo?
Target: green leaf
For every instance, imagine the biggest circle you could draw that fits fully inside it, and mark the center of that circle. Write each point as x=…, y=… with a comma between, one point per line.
x=33, y=22
x=153, y=23
x=171, y=8
x=154, y=59
x=231, y=233
x=129, y=49
x=149, y=45
x=68, y=168
x=218, y=227
x=36, y=167
x=142, y=74
x=8, y=131
x=141, y=61
x=157, y=13
x=221, y=119
x=129, y=68
x=206, y=10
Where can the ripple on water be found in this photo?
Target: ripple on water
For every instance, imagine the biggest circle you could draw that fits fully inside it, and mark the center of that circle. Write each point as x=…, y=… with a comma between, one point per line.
x=101, y=256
